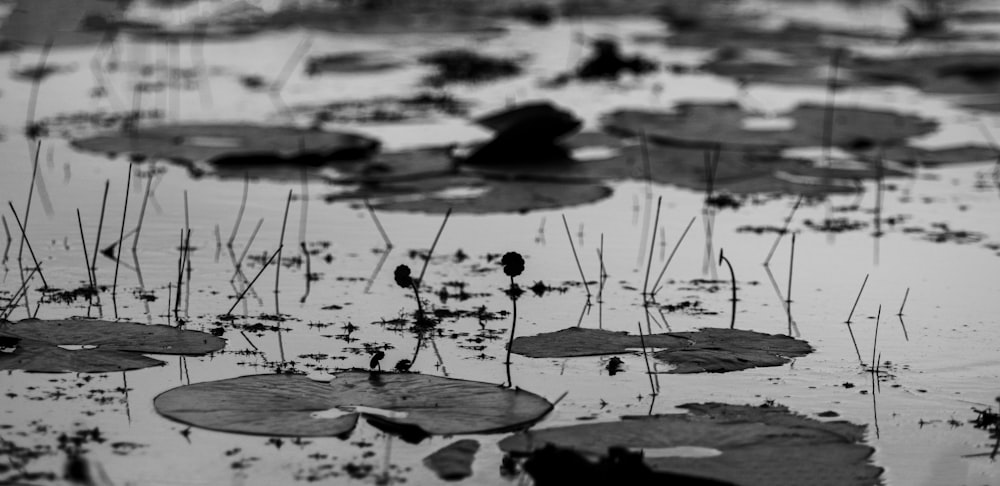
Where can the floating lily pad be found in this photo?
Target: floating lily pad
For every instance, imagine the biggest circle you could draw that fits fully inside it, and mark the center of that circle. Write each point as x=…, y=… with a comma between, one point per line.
x=389, y=109
x=233, y=144
x=350, y=63
x=943, y=156
x=760, y=446
x=60, y=22
x=294, y=405
x=727, y=125
x=949, y=73
x=711, y=350
x=464, y=66
x=96, y=346
x=453, y=461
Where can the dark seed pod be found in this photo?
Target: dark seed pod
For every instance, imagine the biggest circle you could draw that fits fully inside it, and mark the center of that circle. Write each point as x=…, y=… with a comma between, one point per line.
x=402, y=275
x=513, y=263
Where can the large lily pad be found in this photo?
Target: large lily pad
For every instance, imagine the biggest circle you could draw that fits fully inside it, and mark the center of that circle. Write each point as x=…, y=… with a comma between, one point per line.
x=236, y=144
x=726, y=125
x=760, y=446
x=294, y=405
x=100, y=346
x=710, y=350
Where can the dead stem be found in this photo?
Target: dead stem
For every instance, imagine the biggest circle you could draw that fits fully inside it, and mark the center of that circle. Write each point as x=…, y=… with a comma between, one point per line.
x=239, y=214
x=430, y=253
x=784, y=230
x=671, y=257
x=722, y=258
x=649, y=261
x=100, y=226
x=281, y=242
x=649, y=371
x=24, y=238
x=118, y=257
x=242, y=294
x=578, y=266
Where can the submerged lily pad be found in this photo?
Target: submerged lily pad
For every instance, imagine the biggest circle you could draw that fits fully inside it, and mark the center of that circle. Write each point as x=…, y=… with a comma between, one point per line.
x=294, y=405
x=760, y=446
x=711, y=350
x=235, y=144
x=728, y=126
x=453, y=461
x=103, y=346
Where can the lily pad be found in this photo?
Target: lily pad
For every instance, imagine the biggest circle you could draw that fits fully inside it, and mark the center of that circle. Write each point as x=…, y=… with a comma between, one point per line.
x=760, y=446
x=944, y=156
x=949, y=73
x=711, y=350
x=103, y=346
x=725, y=125
x=235, y=144
x=295, y=405
x=453, y=461
x=350, y=63
x=464, y=66
x=60, y=22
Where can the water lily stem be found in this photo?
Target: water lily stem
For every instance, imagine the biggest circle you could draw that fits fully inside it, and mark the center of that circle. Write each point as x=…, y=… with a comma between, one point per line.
x=513, y=326
x=722, y=258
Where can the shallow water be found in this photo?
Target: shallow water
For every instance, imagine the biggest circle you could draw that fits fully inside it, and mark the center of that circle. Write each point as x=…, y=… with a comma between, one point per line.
x=947, y=365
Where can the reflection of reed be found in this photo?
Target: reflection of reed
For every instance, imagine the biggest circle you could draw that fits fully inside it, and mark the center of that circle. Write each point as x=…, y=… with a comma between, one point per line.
x=793, y=329
x=848, y=322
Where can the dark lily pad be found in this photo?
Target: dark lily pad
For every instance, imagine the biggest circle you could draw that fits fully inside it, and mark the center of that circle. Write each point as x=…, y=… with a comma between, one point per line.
x=722, y=124
x=233, y=144
x=948, y=73
x=711, y=350
x=942, y=156
x=760, y=446
x=484, y=196
x=389, y=109
x=106, y=346
x=350, y=63
x=453, y=461
x=464, y=66
x=294, y=405
x=60, y=22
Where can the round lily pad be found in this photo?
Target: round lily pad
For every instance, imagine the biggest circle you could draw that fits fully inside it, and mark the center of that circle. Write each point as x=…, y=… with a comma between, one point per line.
x=725, y=125
x=86, y=346
x=295, y=405
x=760, y=446
x=712, y=350
x=233, y=144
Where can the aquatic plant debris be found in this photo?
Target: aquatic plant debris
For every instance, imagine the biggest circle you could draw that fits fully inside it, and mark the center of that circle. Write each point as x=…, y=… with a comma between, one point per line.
x=102, y=346
x=233, y=144
x=453, y=461
x=760, y=446
x=729, y=126
x=295, y=405
x=711, y=350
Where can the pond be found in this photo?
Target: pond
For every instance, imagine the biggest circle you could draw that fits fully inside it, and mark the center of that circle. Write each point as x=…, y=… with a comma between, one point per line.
x=283, y=243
